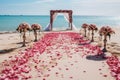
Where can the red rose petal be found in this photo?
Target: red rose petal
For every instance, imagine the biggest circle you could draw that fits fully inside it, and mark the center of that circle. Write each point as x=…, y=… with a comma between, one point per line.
x=100, y=69
x=105, y=75
x=84, y=71
x=67, y=69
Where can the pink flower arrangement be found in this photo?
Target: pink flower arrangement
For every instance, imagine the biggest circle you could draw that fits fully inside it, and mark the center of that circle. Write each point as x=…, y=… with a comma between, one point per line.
x=23, y=27
x=36, y=27
x=85, y=25
x=106, y=30
x=92, y=27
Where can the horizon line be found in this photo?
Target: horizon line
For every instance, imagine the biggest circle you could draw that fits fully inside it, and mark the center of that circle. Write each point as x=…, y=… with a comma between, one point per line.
x=48, y=15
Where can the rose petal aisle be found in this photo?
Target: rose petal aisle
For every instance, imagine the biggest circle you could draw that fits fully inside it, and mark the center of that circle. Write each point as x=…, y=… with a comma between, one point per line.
x=58, y=56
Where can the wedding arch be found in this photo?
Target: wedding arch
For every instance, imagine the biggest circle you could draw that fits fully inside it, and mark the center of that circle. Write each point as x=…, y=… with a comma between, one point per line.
x=53, y=15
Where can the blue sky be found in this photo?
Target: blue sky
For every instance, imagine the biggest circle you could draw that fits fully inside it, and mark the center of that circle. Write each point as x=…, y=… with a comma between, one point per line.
x=42, y=7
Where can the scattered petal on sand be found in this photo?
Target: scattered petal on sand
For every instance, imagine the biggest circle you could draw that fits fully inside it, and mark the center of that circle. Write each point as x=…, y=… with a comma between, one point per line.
x=52, y=46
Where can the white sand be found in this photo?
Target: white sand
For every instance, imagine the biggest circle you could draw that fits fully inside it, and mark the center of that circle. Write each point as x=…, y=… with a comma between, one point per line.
x=12, y=44
x=82, y=68
x=77, y=68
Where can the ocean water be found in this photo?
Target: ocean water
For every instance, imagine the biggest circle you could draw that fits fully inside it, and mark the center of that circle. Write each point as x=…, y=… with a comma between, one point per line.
x=11, y=22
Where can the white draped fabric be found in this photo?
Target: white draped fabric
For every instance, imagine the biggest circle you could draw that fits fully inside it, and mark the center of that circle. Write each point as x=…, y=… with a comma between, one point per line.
x=48, y=28
x=66, y=16
x=74, y=28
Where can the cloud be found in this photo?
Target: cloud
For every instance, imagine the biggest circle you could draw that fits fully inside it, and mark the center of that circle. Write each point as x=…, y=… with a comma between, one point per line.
x=80, y=7
x=96, y=7
x=44, y=1
x=109, y=1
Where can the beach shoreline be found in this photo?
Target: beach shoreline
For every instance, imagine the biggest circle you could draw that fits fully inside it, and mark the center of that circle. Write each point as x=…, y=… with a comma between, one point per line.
x=10, y=40
x=7, y=32
x=10, y=43
x=81, y=61
x=114, y=37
